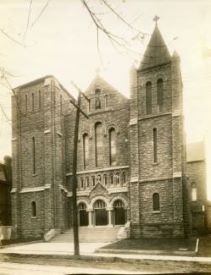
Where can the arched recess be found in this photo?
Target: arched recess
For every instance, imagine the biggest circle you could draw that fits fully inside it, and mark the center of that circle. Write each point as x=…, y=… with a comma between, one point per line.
x=119, y=212
x=83, y=214
x=100, y=213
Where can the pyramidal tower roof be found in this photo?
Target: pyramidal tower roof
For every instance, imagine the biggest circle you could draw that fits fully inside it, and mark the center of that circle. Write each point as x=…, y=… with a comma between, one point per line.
x=157, y=52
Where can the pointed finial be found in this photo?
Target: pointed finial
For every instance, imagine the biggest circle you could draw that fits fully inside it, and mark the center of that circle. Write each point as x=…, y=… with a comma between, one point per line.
x=156, y=18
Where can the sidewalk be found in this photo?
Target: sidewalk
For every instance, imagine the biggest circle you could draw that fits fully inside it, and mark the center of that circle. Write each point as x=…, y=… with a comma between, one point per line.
x=87, y=251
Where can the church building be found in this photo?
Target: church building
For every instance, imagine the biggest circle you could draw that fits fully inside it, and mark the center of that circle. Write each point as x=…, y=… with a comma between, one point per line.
x=131, y=153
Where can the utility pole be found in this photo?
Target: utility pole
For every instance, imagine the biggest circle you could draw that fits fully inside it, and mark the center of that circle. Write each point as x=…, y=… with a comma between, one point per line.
x=74, y=171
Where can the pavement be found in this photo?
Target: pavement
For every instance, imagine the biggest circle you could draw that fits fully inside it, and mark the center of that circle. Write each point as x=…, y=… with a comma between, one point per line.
x=88, y=250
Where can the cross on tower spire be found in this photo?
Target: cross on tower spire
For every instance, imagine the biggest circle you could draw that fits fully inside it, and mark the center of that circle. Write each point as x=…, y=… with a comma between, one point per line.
x=156, y=18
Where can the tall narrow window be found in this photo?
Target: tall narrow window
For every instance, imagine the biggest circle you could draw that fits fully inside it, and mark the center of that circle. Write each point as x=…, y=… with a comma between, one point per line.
x=33, y=155
x=26, y=103
x=32, y=102
x=106, y=101
x=155, y=157
x=123, y=177
x=105, y=179
x=149, y=98
x=85, y=150
x=61, y=102
x=87, y=181
x=97, y=99
x=98, y=144
x=39, y=99
x=34, y=209
x=82, y=183
x=93, y=180
x=156, y=202
x=112, y=146
x=160, y=94
x=111, y=179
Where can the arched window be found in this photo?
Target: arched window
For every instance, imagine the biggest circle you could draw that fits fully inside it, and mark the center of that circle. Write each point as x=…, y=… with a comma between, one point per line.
x=123, y=177
x=98, y=144
x=105, y=179
x=117, y=178
x=112, y=146
x=99, y=204
x=149, y=97
x=118, y=204
x=156, y=202
x=26, y=103
x=111, y=178
x=32, y=102
x=93, y=180
x=61, y=103
x=193, y=191
x=82, y=183
x=33, y=155
x=85, y=150
x=155, y=157
x=87, y=181
x=34, y=209
x=81, y=206
x=160, y=93
x=97, y=99
x=39, y=99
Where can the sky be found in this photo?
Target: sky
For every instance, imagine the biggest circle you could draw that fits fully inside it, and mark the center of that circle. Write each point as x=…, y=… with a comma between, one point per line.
x=62, y=41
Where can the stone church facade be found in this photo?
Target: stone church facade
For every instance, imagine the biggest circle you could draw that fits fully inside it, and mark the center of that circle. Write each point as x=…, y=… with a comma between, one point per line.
x=131, y=153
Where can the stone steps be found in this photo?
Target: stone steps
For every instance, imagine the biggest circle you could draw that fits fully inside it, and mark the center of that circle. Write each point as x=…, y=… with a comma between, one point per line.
x=87, y=234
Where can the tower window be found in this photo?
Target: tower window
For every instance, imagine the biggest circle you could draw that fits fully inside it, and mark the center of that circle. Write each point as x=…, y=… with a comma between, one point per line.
x=149, y=97
x=33, y=155
x=85, y=150
x=160, y=94
x=34, y=209
x=97, y=99
x=155, y=158
x=112, y=146
x=98, y=144
x=156, y=202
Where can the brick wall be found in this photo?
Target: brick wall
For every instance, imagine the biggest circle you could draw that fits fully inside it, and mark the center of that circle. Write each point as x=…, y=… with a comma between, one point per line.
x=38, y=111
x=165, y=176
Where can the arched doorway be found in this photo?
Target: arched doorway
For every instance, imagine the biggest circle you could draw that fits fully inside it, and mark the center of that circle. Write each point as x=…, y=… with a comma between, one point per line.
x=83, y=215
x=119, y=212
x=101, y=217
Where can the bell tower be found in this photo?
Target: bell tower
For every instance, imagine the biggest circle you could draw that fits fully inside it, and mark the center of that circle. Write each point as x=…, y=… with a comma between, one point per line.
x=157, y=185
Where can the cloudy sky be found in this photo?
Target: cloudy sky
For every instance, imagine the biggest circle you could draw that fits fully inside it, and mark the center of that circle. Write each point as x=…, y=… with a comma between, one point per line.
x=62, y=40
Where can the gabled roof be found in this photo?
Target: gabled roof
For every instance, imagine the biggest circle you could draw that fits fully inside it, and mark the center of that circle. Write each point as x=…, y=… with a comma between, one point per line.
x=99, y=82
x=195, y=152
x=156, y=53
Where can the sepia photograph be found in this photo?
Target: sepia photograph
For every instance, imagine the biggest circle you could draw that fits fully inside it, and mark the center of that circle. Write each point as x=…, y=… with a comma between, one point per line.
x=105, y=137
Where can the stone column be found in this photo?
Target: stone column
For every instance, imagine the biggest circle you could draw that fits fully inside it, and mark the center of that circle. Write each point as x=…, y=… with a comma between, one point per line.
x=90, y=217
x=110, y=217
